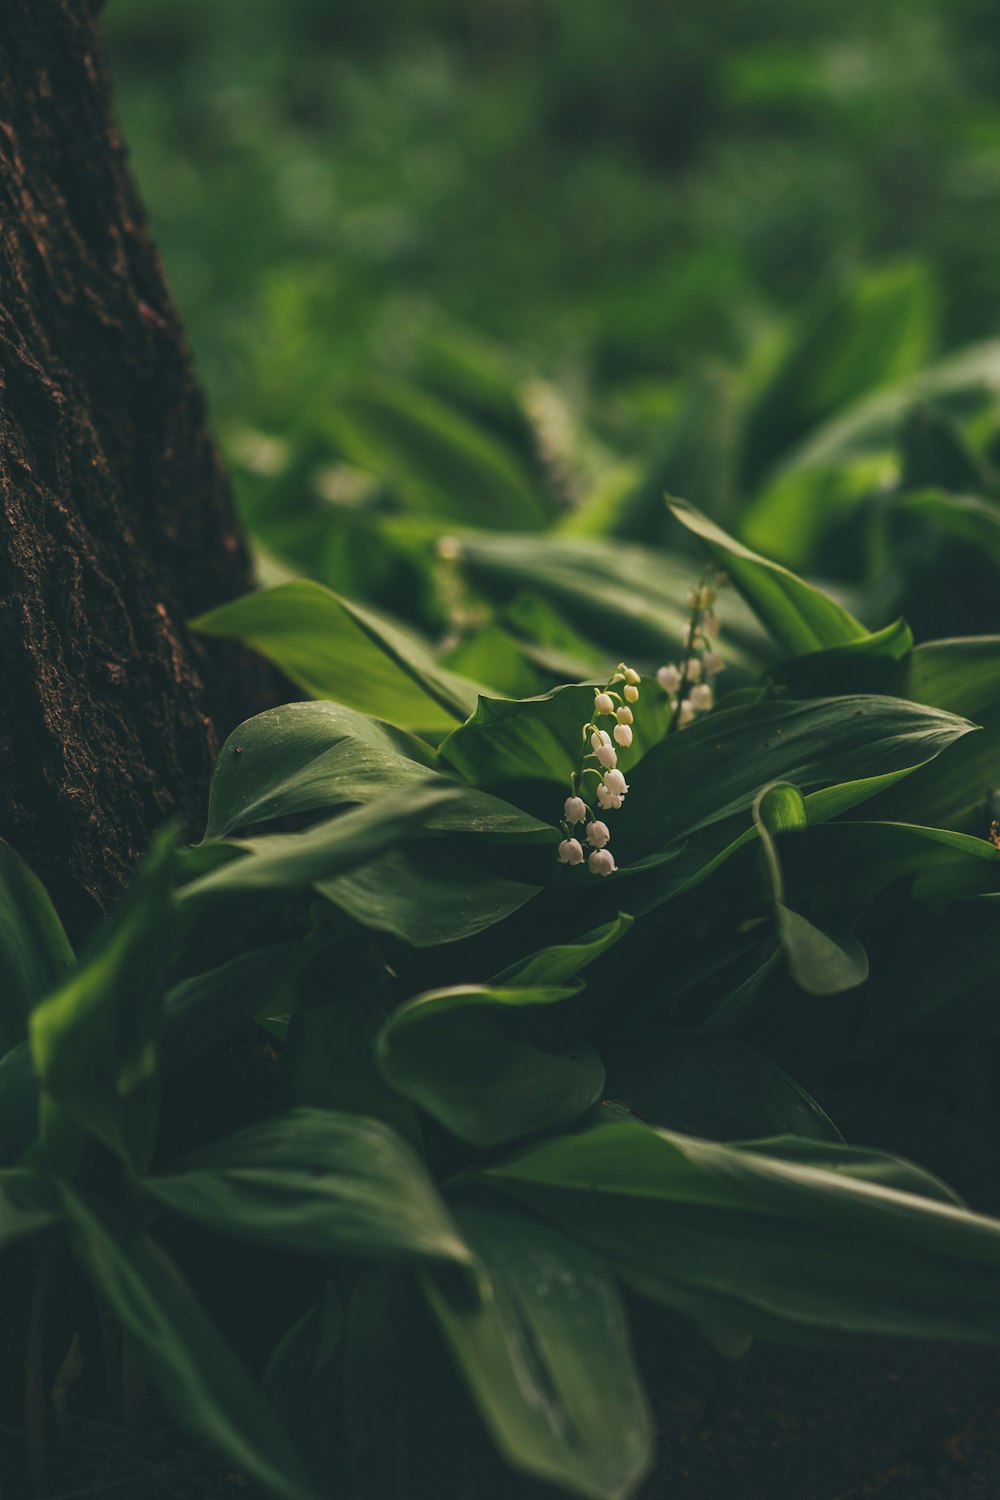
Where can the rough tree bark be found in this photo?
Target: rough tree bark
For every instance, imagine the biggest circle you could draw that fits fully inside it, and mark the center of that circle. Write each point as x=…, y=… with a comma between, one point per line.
x=117, y=524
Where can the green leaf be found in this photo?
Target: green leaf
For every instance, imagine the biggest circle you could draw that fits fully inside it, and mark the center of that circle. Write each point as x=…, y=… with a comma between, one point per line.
x=715, y=767
x=869, y=666
x=460, y=1055
x=819, y=963
x=95, y=1039
x=710, y=1086
x=966, y=518
x=294, y=861
x=962, y=676
x=798, y=616
x=426, y=895
x=319, y=1181
x=181, y=1349
x=200, y=1012
x=34, y=950
x=785, y=1245
x=874, y=330
x=495, y=657
x=336, y=649
x=562, y=963
x=617, y=594
x=435, y=461
x=547, y=1356
x=307, y=756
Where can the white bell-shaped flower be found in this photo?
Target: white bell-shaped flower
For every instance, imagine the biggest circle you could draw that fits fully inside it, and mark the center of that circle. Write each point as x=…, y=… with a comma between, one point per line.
x=615, y=782
x=608, y=755
x=694, y=670
x=623, y=735
x=598, y=738
x=609, y=801
x=598, y=834
x=624, y=714
x=686, y=713
x=602, y=862
x=713, y=663
x=701, y=697
x=574, y=810
x=604, y=704
x=570, y=852
x=669, y=678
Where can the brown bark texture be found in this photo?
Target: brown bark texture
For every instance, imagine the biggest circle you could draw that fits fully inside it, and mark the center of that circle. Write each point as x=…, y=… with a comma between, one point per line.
x=116, y=524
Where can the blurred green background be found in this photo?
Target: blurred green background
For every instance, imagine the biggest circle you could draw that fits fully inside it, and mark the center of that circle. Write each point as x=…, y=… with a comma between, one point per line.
x=521, y=263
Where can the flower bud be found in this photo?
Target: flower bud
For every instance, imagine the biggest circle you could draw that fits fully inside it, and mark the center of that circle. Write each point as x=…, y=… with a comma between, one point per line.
x=630, y=693
x=574, y=809
x=623, y=735
x=604, y=704
x=615, y=782
x=632, y=677
x=624, y=715
x=570, y=852
x=669, y=678
x=701, y=697
x=710, y=624
x=608, y=755
x=598, y=834
x=686, y=713
x=694, y=670
x=602, y=862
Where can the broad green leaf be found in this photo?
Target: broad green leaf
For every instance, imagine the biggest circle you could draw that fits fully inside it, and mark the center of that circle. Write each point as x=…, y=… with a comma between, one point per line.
x=786, y=1244
x=335, y=649
x=540, y=739
x=799, y=617
x=969, y=519
x=427, y=895
x=962, y=676
x=871, y=665
x=871, y=332
x=562, y=963
x=319, y=1181
x=626, y=596
x=936, y=453
x=712, y=770
x=847, y=864
x=294, y=861
x=180, y=1347
x=547, y=1356
x=34, y=950
x=820, y=963
x=495, y=657
x=95, y=1038
x=200, y=1012
x=711, y=1086
x=435, y=461
x=871, y=425
x=329, y=1059
x=463, y=1056
x=307, y=756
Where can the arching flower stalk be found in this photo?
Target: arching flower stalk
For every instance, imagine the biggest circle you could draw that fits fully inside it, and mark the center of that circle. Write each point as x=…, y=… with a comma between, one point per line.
x=690, y=686
x=598, y=776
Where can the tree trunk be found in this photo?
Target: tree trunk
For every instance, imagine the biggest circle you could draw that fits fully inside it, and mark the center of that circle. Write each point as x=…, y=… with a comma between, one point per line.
x=117, y=524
